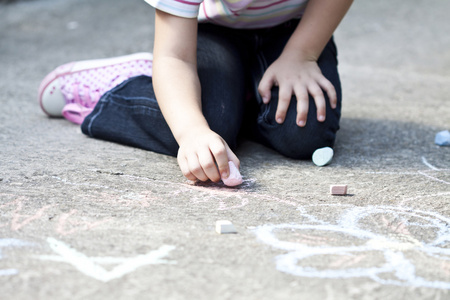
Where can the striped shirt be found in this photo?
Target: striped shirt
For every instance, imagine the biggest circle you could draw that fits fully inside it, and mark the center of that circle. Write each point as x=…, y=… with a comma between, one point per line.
x=234, y=13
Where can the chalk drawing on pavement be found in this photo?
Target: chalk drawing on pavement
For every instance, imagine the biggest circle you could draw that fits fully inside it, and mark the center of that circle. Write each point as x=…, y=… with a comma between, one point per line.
x=91, y=267
x=10, y=243
x=431, y=173
x=376, y=242
x=225, y=198
x=439, y=176
x=19, y=220
x=67, y=224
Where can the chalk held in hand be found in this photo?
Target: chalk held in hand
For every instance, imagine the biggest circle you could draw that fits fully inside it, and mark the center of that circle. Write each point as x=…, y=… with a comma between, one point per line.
x=442, y=138
x=322, y=156
x=338, y=189
x=235, y=177
x=224, y=226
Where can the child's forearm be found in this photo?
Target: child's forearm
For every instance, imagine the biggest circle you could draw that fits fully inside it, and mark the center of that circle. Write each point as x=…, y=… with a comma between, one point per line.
x=175, y=78
x=316, y=27
x=178, y=90
x=202, y=153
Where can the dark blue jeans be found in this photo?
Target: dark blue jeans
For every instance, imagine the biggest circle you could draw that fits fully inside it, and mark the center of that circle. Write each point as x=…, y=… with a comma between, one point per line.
x=231, y=62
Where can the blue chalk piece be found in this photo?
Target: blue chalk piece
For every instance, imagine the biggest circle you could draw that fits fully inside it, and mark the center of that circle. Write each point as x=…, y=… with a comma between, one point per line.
x=442, y=138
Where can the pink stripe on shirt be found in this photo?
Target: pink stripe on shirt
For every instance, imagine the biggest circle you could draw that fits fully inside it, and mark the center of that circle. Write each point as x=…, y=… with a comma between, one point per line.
x=187, y=2
x=265, y=6
x=235, y=13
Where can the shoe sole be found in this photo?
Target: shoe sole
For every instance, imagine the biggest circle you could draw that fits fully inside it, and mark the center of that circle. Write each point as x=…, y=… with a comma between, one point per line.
x=79, y=66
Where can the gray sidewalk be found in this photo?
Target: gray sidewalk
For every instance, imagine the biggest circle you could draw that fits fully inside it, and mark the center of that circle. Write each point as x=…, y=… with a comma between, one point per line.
x=87, y=219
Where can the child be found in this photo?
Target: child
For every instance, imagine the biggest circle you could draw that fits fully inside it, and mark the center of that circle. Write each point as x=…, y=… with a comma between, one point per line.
x=220, y=68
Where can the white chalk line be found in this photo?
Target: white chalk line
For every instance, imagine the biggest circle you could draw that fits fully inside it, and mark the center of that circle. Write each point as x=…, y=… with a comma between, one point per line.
x=426, y=163
x=416, y=173
x=7, y=243
x=391, y=173
x=90, y=267
x=395, y=264
x=431, y=168
x=102, y=260
x=8, y=272
x=433, y=178
x=403, y=202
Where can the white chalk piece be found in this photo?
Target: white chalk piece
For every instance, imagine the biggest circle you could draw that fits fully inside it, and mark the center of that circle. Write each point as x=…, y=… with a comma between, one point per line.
x=224, y=226
x=338, y=189
x=235, y=177
x=442, y=138
x=322, y=156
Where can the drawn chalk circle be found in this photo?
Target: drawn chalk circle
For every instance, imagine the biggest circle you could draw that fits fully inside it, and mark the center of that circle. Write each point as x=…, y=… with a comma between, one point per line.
x=391, y=259
x=322, y=156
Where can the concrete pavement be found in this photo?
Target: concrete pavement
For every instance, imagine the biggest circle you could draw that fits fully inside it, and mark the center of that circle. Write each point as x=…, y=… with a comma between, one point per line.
x=87, y=219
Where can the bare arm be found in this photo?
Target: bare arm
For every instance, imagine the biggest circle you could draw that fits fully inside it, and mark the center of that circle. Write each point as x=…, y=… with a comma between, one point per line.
x=296, y=71
x=177, y=88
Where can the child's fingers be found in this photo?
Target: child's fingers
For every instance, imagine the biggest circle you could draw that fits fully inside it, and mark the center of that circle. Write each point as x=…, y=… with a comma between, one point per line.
x=219, y=151
x=208, y=165
x=233, y=158
x=265, y=86
x=319, y=100
x=330, y=90
x=182, y=162
x=195, y=168
x=284, y=98
x=301, y=93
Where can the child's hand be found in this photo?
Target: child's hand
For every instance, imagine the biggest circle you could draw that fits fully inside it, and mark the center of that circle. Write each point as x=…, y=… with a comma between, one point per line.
x=299, y=77
x=204, y=155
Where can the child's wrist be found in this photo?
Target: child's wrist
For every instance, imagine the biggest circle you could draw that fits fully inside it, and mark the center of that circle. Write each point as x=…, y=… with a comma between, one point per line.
x=301, y=54
x=187, y=132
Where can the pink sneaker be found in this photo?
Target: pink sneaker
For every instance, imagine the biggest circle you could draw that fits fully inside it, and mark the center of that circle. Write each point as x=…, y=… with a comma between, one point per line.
x=72, y=90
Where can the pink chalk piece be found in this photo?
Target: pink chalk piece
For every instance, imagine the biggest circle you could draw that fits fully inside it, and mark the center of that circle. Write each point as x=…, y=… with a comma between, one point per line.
x=338, y=189
x=235, y=177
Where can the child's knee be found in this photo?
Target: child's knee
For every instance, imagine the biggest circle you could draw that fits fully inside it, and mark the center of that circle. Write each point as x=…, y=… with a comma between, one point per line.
x=305, y=148
x=300, y=143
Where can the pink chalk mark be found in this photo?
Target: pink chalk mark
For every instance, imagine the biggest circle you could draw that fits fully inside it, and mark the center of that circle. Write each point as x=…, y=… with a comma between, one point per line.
x=64, y=221
x=445, y=267
x=396, y=227
x=311, y=240
x=13, y=202
x=347, y=261
x=143, y=199
x=223, y=205
x=16, y=224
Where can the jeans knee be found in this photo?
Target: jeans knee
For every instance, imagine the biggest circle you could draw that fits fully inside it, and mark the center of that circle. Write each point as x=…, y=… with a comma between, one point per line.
x=300, y=143
x=304, y=149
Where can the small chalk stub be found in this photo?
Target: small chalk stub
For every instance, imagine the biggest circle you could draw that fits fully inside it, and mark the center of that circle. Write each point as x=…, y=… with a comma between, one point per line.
x=322, y=156
x=442, y=138
x=338, y=189
x=224, y=226
x=235, y=177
